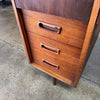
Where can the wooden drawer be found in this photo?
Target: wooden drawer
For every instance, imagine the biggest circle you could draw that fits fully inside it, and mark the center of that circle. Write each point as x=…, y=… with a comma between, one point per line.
x=53, y=43
x=72, y=32
x=52, y=54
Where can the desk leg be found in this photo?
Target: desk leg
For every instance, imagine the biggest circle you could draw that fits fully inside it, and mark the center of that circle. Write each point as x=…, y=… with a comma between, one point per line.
x=54, y=81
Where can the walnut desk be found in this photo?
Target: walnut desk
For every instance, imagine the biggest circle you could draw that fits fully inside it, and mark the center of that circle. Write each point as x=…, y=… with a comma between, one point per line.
x=58, y=35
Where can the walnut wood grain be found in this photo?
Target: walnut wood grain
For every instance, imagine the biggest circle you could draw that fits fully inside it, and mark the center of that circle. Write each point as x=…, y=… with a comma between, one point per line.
x=73, y=9
x=73, y=41
x=67, y=53
x=66, y=61
x=53, y=74
x=49, y=26
x=88, y=37
x=73, y=31
x=92, y=43
x=53, y=49
x=51, y=64
x=22, y=30
x=98, y=19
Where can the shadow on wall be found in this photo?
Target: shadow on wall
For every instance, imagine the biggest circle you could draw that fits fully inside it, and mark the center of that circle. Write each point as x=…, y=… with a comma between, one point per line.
x=5, y=3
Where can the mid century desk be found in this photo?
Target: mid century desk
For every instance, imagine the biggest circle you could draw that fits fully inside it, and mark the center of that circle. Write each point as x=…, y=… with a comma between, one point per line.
x=58, y=35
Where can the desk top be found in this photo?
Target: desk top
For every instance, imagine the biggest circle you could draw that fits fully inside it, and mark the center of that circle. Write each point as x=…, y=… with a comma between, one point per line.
x=73, y=9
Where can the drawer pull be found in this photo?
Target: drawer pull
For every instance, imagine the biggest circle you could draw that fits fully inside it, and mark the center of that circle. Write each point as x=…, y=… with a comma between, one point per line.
x=57, y=51
x=51, y=64
x=50, y=27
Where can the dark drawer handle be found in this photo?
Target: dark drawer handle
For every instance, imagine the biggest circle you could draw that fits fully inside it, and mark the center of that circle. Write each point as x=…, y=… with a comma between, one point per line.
x=51, y=64
x=57, y=51
x=50, y=27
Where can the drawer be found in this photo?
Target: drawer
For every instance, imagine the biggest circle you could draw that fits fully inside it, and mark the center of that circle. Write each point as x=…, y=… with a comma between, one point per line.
x=58, y=57
x=64, y=30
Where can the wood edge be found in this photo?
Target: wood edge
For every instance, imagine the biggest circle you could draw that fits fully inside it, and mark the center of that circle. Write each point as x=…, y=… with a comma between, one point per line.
x=22, y=31
x=89, y=33
x=92, y=43
x=98, y=20
x=69, y=19
x=53, y=74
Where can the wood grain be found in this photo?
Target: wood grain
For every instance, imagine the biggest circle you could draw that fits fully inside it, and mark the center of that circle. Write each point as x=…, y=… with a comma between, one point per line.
x=92, y=43
x=73, y=9
x=22, y=31
x=72, y=54
x=67, y=60
x=98, y=19
x=73, y=42
x=53, y=74
x=89, y=33
x=72, y=33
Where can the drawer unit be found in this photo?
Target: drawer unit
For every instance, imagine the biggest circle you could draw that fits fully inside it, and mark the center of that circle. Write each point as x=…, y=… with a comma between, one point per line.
x=54, y=48
x=57, y=36
x=54, y=27
x=52, y=55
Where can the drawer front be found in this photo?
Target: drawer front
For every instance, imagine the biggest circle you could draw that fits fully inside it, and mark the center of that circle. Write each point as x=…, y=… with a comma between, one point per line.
x=58, y=57
x=57, y=28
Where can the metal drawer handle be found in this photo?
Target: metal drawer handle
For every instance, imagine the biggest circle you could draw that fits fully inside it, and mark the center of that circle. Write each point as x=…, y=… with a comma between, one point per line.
x=57, y=51
x=50, y=27
x=51, y=64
